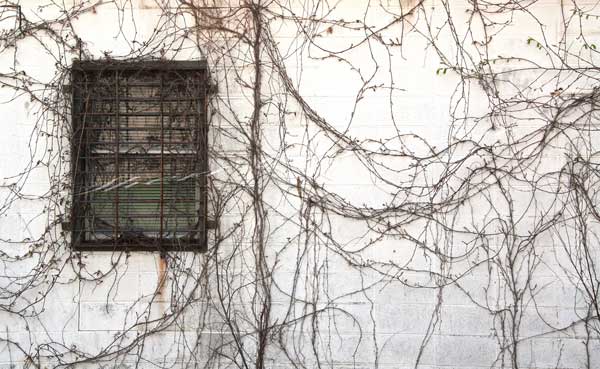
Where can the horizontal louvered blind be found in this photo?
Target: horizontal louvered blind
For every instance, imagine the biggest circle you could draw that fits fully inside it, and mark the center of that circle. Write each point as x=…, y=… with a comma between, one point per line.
x=139, y=155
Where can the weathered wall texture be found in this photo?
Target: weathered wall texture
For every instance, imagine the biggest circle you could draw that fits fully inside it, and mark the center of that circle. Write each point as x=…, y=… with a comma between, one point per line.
x=397, y=184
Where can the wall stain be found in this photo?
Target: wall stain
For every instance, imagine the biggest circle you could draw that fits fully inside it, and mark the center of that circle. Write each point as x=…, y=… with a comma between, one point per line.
x=162, y=276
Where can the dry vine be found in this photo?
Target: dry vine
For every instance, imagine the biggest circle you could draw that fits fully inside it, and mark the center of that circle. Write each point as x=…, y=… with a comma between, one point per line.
x=502, y=210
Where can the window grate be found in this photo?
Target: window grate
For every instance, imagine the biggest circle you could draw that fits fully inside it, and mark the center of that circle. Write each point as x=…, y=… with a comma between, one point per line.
x=139, y=151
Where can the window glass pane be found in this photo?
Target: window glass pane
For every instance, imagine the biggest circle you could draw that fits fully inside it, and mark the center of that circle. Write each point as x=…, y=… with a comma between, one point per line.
x=140, y=210
x=139, y=153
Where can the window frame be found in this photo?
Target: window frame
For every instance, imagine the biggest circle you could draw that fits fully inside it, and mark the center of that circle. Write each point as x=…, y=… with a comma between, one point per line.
x=79, y=71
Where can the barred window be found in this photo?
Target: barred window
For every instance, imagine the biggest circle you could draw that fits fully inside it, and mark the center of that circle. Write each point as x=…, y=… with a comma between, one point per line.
x=139, y=155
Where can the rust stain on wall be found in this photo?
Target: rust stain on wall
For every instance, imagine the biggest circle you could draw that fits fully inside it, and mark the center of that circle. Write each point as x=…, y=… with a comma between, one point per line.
x=147, y=4
x=408, y=7
x=408, y=3
x=162, y=276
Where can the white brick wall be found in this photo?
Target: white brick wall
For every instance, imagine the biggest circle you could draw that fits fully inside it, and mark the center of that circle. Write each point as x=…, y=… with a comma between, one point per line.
x=94, y=299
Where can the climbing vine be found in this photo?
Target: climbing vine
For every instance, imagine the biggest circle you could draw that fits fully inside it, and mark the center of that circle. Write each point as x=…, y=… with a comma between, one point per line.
x=363, y=155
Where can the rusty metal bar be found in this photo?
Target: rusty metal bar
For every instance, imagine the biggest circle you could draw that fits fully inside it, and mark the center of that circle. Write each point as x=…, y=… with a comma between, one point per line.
x=162, y=163
x=154, y=65
x=117, y=138
x=144, y=183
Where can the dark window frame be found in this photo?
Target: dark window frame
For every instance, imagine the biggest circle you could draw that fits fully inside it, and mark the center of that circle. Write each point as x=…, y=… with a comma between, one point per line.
x=81, y=73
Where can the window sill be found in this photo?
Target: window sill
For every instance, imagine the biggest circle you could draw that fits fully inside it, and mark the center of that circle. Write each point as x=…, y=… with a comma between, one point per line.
x=121, y=246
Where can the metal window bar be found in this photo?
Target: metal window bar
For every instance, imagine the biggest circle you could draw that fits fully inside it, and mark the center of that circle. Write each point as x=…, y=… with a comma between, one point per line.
x=140, y=156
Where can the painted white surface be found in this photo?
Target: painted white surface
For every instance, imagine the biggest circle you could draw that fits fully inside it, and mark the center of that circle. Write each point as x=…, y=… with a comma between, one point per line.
x=88, y=314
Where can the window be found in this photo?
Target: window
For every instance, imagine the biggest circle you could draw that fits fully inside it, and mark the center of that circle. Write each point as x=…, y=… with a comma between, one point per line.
x=139, y=155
